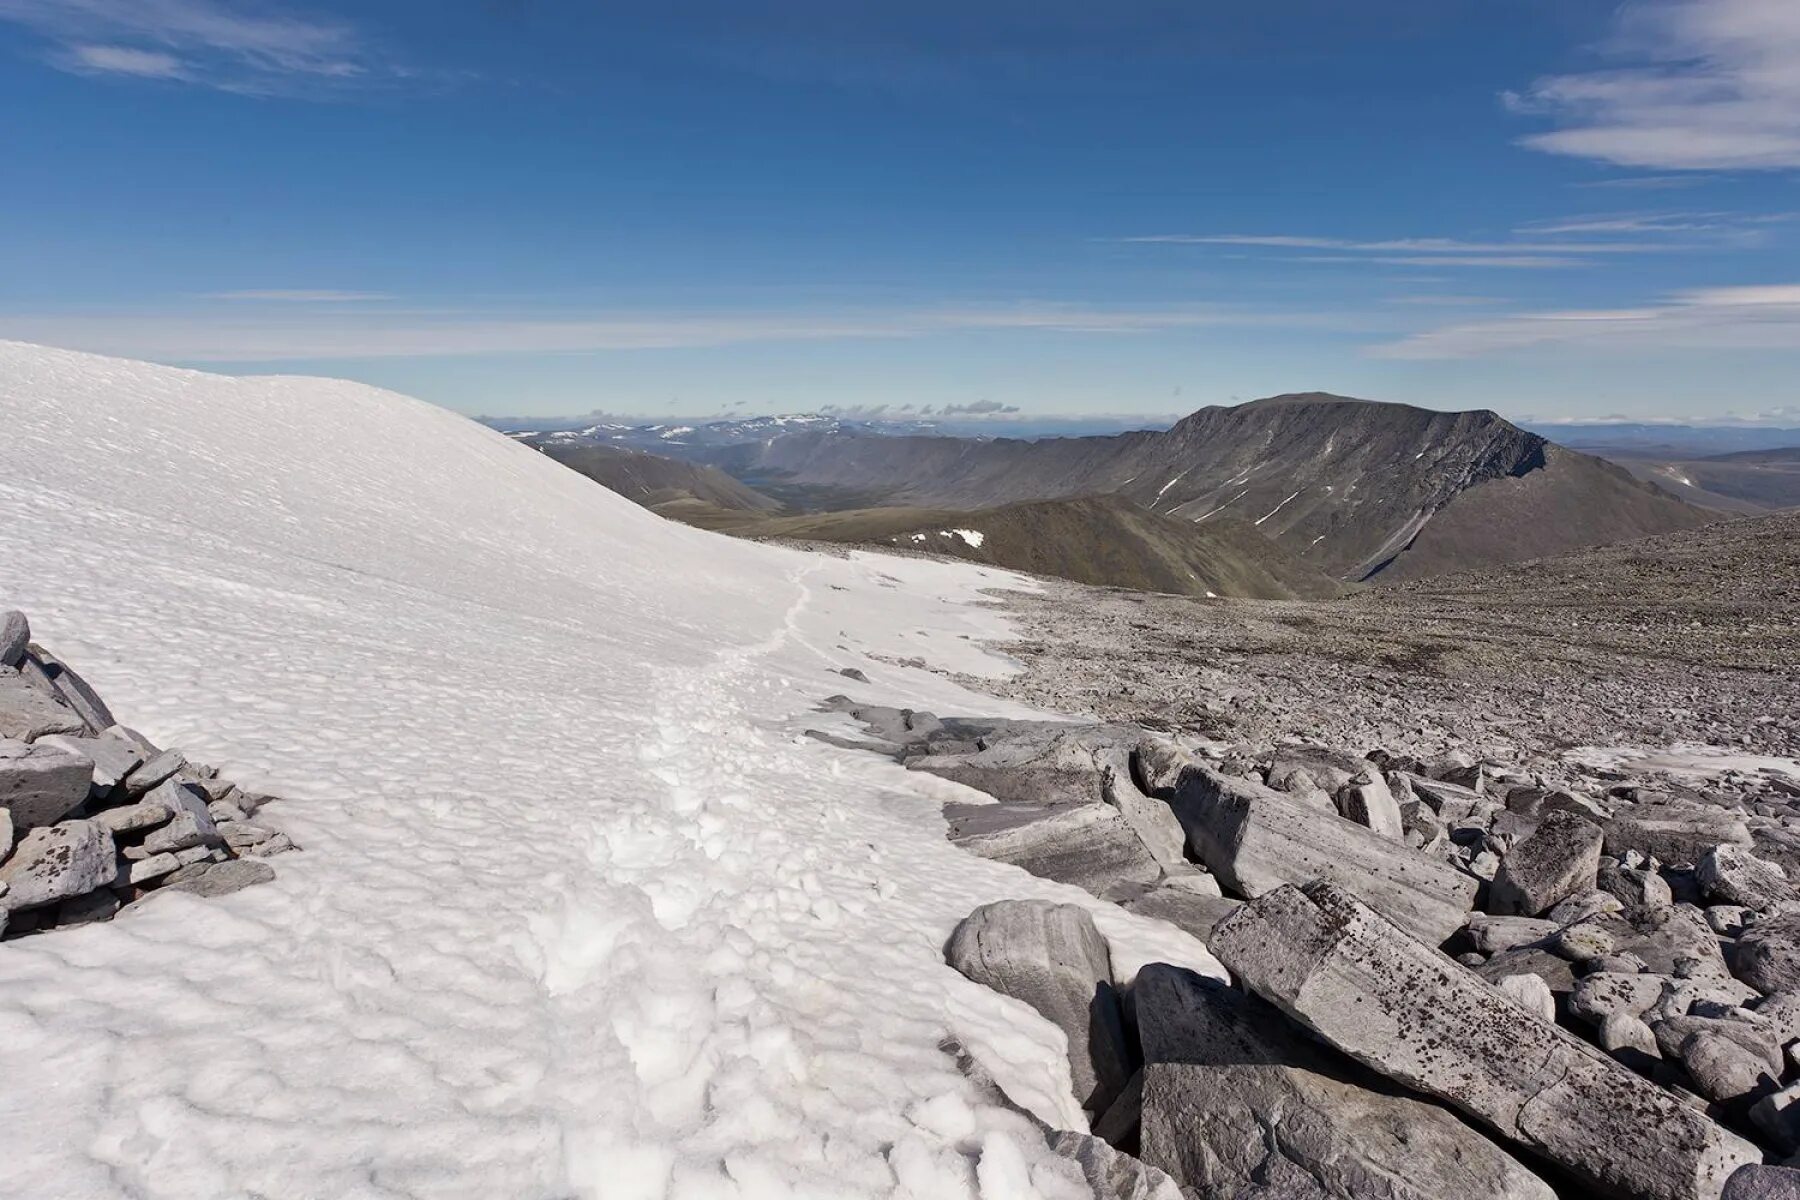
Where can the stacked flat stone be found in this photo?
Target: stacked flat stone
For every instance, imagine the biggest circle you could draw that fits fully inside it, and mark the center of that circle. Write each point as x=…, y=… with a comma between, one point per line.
x=94, y=817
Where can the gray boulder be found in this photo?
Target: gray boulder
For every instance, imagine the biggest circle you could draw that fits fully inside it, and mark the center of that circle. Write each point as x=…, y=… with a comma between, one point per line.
x=1090, y=846
x=15, y=637
x=1367, y=801
x=1530, y=993
x=130, y=818
x=1359, y=982
x=1149, y=818
x=1491, y=934
x=1256, y=839
x=72, y=689
x=1634, y=886
x=41, y=784
x=1723, y=1069
x=1237, y=1106
x=1114, y=1174
x=1730, y=874
x=1768, y=955
x=1604, y=993
x=26, y=713
x=221, y=879
x=1053, y=958
x=1675, y=831
x=54, y=862
x=1194, y=912
x=112, y=759
x=1558, y=860
x=154, y=770
x=1763, y=1183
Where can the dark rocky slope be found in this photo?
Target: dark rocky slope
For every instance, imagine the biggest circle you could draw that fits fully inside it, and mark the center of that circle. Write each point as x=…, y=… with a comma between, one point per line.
x=654, y=481
x=1104, y=540
x=1349, y=486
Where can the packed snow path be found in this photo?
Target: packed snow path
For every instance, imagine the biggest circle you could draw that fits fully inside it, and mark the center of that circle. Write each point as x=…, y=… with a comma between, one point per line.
x=579, y=913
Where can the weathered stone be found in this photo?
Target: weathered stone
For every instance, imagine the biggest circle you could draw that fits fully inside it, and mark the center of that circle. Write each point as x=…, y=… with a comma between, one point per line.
x=223, y=811
x=154, y=772
x=41, y=784
x=1732, y=875
x=1581, y=942
x=1634, y=886
x=1728, y=920
x=184, y=799
x=1674, y=831
x=1662, y=936
x=221, y=878
x=1722, y=1069
x=54, y=862
x=1768, y=955
x=279, y=844
x=1113, y=1174
x=1237, y=1105
x=153, y=867
x=1367, y=801
x=1256, y=839
x=1603, y=994
x=28, y=714
x=1359, y=982
x=1298, y=768
x=1053, y=958
x=15, y=636
x=111, y=760
x=1491, y=934
x=1583, y=905
x=239, y=834
x=1558, y=860
x=1673, y=1034
x=6, y=833
x=1088, y=845
x=1763, y=1183
x=1530, y=960
x=1191, y=911
x=1530, y=993
x=1623, y=1035
x=1149, y=818
x=182, y=832
x=132, y=817
x=73, y=690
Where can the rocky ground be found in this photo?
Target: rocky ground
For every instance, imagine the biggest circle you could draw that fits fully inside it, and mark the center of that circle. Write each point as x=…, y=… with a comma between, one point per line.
x=1386, y=818
x=1693, y=637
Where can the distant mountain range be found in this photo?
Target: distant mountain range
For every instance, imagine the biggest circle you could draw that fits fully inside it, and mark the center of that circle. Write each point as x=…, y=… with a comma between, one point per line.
x=1351, y=489
x=1649, y=439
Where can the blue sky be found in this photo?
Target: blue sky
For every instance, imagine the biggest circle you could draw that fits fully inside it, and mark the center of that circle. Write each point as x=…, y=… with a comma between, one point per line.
x=1553, y=208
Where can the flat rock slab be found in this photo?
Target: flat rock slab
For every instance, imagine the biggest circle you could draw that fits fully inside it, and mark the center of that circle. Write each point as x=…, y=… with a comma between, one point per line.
x=1358, y=981
x=1238, y=1106
x=1090, y=846
x=28, y=713
x=1768, y=955
x=58, y=861
x=1190, y=911
x=1053, y=958
x=41, y=784
x=1674, y=831
x=221, y=879
x=1256, y=839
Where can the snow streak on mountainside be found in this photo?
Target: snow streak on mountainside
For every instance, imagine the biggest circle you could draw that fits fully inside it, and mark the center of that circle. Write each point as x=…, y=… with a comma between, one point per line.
x=579, y=913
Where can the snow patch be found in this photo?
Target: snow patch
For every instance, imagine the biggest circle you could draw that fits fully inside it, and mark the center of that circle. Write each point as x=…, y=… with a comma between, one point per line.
x=580, y=912
x=972, y=536
x=1277, y=508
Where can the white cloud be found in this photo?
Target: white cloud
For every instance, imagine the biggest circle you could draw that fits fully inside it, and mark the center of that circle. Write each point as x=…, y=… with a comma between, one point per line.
x=1415, y=245
x=123, y=60
x=299, y=295
x=294, y=333
x=1724, y=318
x=1525, y=262
x=241, y=47
x=1702, y=85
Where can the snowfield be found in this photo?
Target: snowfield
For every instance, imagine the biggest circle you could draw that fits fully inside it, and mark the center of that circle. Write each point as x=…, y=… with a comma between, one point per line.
x=579, y=912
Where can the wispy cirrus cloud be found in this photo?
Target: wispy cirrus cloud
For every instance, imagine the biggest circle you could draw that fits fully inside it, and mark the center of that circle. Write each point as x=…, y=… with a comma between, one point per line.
x=243, y=46
x=298, y=332
x=1413, y=245
x=1764, y=317
x=1700, y=85
x=299, y=296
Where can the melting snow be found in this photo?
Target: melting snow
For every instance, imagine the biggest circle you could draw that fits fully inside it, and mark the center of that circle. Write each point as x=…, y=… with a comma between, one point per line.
x=1277, y=508
x=972, y=536
x=1223, y=506
x=579, y=913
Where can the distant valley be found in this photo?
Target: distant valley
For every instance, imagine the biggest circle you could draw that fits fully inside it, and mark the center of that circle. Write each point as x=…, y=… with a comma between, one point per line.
x=1282, y=497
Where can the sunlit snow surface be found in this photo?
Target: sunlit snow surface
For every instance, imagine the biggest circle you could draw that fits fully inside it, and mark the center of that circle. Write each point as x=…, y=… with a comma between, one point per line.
x=579, y=912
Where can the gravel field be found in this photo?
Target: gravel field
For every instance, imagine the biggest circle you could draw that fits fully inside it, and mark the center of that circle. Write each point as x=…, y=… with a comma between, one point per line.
x=1686, y=638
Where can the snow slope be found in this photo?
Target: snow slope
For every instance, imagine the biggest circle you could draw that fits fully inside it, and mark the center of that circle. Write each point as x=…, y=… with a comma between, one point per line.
x=580, y=913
